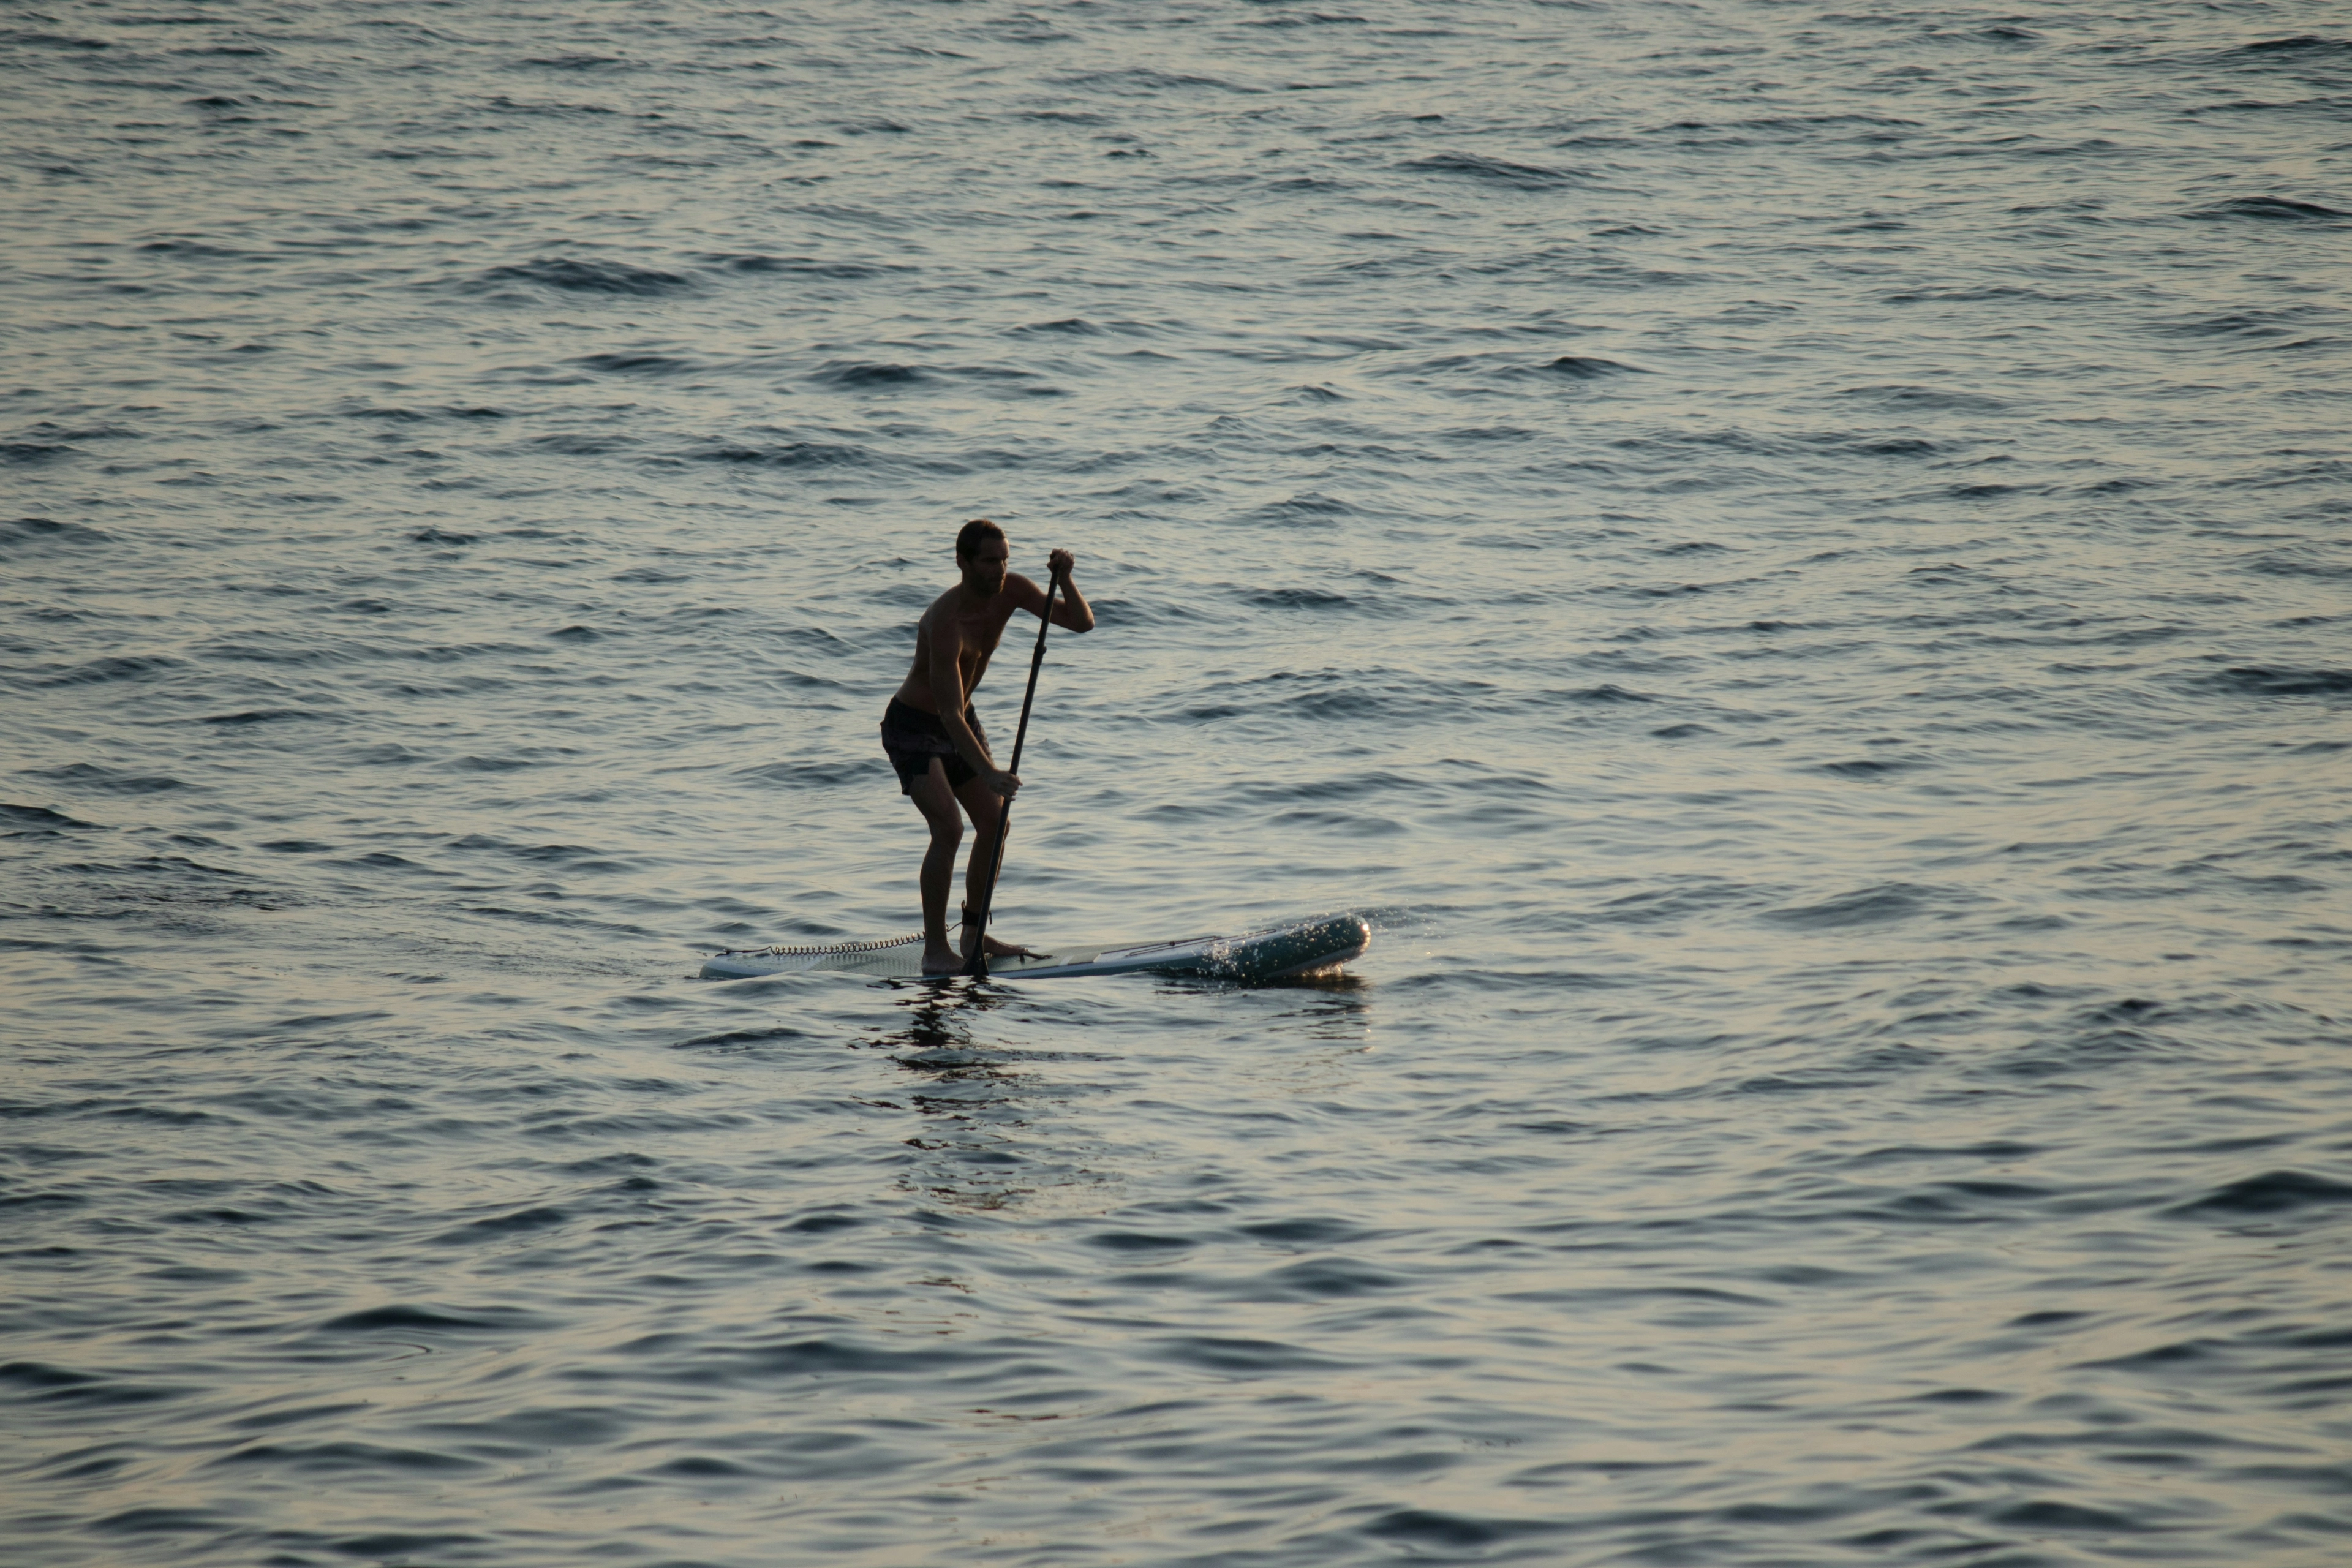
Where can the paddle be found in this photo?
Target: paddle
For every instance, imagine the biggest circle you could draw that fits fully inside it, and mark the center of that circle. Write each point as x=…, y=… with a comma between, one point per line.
x=977, y=964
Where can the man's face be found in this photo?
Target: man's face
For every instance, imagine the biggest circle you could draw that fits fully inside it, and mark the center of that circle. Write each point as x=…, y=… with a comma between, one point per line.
x=983, y=568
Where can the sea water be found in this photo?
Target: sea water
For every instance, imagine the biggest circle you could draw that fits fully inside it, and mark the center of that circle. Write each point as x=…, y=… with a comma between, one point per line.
x=1794, y=559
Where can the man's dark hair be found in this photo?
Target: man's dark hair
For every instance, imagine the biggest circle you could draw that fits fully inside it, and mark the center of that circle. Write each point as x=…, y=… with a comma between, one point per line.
x=968, y=539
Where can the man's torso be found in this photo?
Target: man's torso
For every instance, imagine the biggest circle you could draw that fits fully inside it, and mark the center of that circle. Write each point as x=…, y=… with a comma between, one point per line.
x=975, y=632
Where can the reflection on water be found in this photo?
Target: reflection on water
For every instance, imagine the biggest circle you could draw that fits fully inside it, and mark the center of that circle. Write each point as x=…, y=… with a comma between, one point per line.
x=987, y=1139
x=937, y=1013
x=1343, y=1011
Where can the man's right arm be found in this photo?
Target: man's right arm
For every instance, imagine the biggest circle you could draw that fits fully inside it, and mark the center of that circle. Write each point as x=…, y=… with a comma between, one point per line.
x=947, y=691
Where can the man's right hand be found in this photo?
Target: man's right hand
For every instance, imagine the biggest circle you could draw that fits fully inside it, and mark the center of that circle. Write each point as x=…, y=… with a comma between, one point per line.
x=1003, y=784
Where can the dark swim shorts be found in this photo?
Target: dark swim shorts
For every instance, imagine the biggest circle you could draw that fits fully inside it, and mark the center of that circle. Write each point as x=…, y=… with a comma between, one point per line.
x=911, y=738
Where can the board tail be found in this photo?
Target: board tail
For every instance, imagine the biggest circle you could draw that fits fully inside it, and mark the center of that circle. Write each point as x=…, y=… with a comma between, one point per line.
x=740, y=963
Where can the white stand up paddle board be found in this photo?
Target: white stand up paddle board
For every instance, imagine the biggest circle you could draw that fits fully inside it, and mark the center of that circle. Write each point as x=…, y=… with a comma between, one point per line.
x=1300, y=948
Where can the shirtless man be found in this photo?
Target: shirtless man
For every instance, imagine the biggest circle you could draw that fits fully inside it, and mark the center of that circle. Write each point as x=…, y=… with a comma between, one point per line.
x=934, y=739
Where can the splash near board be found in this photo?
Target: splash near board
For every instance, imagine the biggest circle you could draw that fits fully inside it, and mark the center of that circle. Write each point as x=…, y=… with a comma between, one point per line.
x=1274, y=954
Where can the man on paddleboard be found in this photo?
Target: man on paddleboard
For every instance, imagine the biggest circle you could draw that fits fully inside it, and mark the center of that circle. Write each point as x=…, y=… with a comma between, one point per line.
x=933, y=738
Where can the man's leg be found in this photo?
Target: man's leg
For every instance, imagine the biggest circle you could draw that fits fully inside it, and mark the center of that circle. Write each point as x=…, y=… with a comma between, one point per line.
x=936, y=801
x=987, y=812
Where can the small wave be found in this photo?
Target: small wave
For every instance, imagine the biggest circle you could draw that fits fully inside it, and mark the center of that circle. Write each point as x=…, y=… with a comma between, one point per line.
x=1320, y=1279
x=99, y=671
x=789, y=455
x=385, y=860
x=2267, y=209
x=25, y=454
x=754, y=1037
x=580, y=446
x=1138, y=1241
x=1300, y=599
x=2302, y=46
x=403, y=1319
x=430, y=535
x=1305, y=507
x=866, y=377
x=635, y=362
x=1866, y=906
x=346, y=1457
x=2283, y=563
x=592, y=277
x=1309, y=1231
x=2252, y=325
x=2262, y=681
x=1069, y=326
x=52, y=1384
x=1579, y=367
x=1241, y=1357
x=2273, y=1191
x=1928, y=398
x=806, y=267
x=2043, y=1514
x=22, y=531
x=105, y=779
x=1285, y=20
x=496, y=1227
x=193, y=248
x=815, y=775
x=1144, y=78
x=1453, y=1532
x=1496, y=171
x=25, y=819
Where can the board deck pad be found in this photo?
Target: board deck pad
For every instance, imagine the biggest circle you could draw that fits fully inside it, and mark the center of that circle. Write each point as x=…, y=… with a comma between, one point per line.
x=1301, y=947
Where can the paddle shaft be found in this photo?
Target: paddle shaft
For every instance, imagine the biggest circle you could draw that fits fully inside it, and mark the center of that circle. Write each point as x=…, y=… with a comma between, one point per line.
x=977, y=964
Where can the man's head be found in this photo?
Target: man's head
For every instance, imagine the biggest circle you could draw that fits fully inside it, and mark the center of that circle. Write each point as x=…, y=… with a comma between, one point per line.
x=981, y=554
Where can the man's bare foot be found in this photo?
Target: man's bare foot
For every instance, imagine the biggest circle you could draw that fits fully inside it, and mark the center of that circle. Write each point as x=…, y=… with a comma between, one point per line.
x=1007, y=950
x=941, y=959
x=995, y=949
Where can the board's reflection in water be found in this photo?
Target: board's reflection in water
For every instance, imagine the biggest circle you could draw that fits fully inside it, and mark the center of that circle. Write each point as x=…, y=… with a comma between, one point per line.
x=1007, y=1128
x=987, y=1143
x=1333, y=1006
